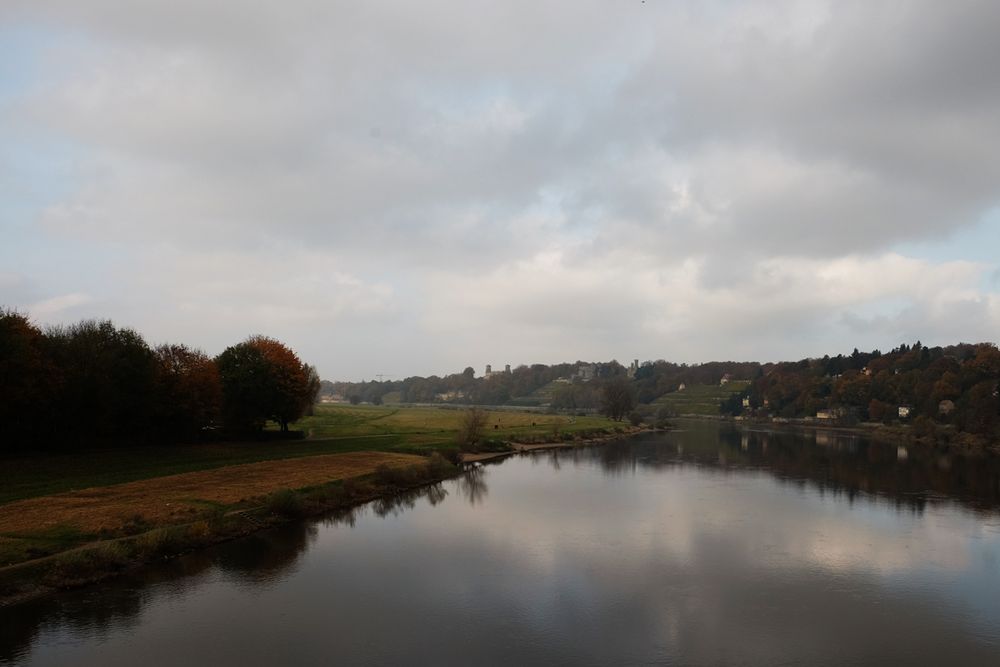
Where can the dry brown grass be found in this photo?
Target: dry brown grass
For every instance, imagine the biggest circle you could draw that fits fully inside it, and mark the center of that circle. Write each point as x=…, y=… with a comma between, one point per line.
x=181, y=497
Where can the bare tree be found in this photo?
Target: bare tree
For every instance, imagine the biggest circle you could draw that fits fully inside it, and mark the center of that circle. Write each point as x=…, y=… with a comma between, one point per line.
x=617, y=398
x=470, y=428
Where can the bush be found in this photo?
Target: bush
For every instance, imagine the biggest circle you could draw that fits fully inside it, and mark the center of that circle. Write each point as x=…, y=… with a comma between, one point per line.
x=84, y=564
x=438, y=466
x=286, y=503
x=162, y=542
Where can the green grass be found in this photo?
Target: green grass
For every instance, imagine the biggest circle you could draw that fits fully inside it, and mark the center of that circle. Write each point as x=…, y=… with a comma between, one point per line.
x=700, y=399
x=15, y=547
x=334, y=429
x=45, y=474
x=430, y=426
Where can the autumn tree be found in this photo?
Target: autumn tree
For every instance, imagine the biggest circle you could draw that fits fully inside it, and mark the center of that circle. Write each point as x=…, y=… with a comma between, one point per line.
x=262, y=379
x=188, y=390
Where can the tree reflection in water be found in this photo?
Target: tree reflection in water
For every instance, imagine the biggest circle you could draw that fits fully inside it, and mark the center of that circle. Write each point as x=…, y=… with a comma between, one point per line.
x=472, y=485
x=837, y=463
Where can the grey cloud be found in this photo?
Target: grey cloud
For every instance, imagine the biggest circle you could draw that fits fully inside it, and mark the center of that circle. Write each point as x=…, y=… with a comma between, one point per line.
x=384, y=141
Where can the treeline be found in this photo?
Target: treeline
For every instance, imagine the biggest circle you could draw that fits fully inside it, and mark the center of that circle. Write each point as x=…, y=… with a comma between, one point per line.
x=465, y=388
x=651, y=380
x=95, y=383
x=955, y=385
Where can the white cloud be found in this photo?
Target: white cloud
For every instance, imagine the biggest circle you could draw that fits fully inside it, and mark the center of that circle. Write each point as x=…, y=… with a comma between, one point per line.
x=681, y=180
x=57, y=305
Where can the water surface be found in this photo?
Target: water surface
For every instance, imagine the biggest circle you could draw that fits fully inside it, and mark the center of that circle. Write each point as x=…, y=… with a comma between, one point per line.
x=710, y=545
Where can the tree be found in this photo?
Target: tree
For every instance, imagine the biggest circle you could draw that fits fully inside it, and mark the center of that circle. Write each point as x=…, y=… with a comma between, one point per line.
x=107, y=381
x=263, y=379
x=289, y=381
x=26, y=378
x=617, y=397
x=244, y=372
x=470, y=428
x=313, y=385
x=188, y=390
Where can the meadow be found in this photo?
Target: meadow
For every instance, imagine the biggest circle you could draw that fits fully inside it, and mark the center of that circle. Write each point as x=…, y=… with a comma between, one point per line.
x=700, y=399
x=52, y=502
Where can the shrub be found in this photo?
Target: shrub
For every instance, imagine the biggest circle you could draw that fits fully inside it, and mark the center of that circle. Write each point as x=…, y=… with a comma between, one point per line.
x=84, y=564
x=286, y=503
x=162, y=542
x=438, y=466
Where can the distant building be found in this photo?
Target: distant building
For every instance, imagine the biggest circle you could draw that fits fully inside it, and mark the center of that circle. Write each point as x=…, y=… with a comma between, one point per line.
x=586, y=372
x=633, y=368
x=451, y=395
x=825, y=414
x=490, y=373
x=681, y=387
x=746, y=401
x=725, y=379
x=903, y=411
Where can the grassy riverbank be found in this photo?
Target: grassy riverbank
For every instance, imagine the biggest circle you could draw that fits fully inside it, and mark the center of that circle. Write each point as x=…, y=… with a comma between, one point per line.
x=72, y=517
x=82, y=560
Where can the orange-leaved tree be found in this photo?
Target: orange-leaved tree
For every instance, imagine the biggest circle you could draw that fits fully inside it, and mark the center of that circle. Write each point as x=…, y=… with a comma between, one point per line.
x=188, y=390
x=263, y=379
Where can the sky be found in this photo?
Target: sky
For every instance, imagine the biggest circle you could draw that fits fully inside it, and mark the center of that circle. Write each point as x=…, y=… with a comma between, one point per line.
x=410, y=188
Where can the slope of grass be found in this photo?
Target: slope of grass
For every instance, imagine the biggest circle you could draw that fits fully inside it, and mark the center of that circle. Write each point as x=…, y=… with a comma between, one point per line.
x=700, y=399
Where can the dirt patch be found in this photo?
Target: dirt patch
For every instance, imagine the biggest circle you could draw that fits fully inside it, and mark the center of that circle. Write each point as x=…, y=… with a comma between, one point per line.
x=178, y=497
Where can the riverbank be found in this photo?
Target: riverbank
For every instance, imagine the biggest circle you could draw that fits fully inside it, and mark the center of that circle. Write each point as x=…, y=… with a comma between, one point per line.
x=73, y=518
x=925, y=434
x=582, y=441
x=100, y=559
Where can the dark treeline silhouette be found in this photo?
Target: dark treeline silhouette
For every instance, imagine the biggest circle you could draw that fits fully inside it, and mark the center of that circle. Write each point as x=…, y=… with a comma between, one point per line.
x=94, y=383
x=955, y=385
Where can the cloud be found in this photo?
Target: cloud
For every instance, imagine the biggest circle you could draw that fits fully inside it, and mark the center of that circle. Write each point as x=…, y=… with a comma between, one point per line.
x=57, y=305
x=616, y=176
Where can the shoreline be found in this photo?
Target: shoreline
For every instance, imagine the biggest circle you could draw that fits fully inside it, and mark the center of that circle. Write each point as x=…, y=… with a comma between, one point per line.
x=100, y=560
x=892, y=434
x=522, y=447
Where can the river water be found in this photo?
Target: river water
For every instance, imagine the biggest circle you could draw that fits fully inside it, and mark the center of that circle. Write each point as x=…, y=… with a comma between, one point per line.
x=708, y=545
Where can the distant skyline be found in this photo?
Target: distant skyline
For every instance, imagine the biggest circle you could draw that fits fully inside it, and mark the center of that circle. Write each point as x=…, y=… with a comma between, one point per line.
x=412, y=188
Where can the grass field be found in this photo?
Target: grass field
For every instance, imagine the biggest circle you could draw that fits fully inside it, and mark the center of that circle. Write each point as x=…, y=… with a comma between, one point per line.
x=53, y=502
x=700, y=399
x=334, y=429
x=432, y=426
x=41, y=475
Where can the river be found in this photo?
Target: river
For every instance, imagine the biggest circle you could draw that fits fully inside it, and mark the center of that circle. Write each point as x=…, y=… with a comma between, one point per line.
x=708, y=545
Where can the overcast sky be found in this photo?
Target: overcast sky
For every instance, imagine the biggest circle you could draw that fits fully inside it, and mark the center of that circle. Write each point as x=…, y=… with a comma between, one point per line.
x=413, y=187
